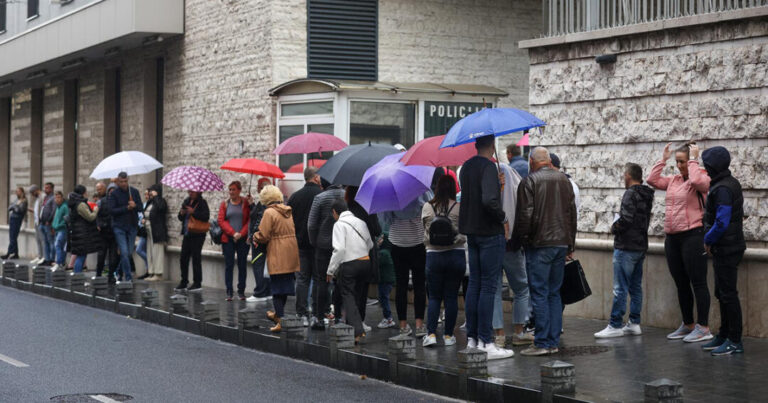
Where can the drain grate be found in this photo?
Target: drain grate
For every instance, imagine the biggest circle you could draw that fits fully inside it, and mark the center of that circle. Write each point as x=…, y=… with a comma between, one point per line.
x=575, y=351
x=91, y=398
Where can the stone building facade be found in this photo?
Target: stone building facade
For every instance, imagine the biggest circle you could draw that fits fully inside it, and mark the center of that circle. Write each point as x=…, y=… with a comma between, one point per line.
x=693, y=79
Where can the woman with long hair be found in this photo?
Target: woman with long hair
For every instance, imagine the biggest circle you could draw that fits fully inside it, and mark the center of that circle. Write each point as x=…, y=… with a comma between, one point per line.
x=17, y=210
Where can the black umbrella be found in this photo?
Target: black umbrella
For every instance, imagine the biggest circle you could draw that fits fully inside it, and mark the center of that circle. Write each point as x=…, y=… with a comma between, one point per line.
x=348, y=165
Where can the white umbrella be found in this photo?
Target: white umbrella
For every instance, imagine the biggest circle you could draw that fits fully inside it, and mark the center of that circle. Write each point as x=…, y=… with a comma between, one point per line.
x=130, y=162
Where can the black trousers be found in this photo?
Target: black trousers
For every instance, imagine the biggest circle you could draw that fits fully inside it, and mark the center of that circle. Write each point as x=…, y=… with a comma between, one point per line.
x=192, y=246
x=303, y=279
x=352, y=281
x=688, y=266
x=411, y=260
x=320, y=302
x=726, y=270
x=108, y=249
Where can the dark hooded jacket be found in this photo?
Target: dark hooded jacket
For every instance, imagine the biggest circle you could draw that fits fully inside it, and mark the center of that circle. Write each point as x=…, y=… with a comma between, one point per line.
x=104, y=217
x=724, y=209
x=84, y=237
x=157, y=217
x=631, y=229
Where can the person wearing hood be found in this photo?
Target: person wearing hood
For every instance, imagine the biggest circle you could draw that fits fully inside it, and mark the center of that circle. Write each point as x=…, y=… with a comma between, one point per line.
x=104, y=225
x=684, y=246
x=84, y=237
x=17, y=211
x=724, y=241
x=278, y=232
x=630, y=243
x=59, y=225
x=155, y=213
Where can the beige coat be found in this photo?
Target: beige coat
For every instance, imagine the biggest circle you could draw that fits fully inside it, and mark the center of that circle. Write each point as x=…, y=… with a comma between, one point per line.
x=277, y=231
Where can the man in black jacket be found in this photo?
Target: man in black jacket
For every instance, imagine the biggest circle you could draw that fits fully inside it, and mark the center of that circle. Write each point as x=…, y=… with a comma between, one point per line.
x=630, y=243
x=301, y=203
x=192, y=242
x=104, y=225
x=724, y=241
x=483, y=220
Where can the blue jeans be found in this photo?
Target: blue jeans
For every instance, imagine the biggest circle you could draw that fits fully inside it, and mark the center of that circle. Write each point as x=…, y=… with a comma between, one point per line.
x=126, y=239
x=230, y=248
x=545, y=276
x=61, y=247
x=80, y=261
x=445, y=271
x=517, y=278
x=627, y=278
x=141, y=250
x=49, y=249
x=486, y=254
x=13, y=234
x=385, y=289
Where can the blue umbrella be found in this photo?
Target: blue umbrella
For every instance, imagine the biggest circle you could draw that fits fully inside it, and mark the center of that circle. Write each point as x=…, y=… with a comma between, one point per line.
x=390, y=185
x=491, y=121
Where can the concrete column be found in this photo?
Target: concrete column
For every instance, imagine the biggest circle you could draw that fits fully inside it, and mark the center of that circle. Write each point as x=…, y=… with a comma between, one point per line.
x=111, y=111
x=36, y=139
x=5, y=157
x=69, y=146
x=149, y=138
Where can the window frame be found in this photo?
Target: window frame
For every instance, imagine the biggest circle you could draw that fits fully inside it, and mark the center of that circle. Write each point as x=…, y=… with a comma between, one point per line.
x=4, y=19
x=37, y=9
x=304, y=120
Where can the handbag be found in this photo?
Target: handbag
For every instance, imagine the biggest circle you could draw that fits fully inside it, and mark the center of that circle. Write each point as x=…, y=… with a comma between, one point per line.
x=196, y=226
x=575, y=286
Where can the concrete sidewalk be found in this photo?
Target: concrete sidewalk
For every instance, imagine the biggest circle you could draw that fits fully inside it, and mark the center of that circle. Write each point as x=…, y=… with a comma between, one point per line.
x=606, y=370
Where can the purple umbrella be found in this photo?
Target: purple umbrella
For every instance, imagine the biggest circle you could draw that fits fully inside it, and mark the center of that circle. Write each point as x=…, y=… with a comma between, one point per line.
x=391, y=186
x=192, y=178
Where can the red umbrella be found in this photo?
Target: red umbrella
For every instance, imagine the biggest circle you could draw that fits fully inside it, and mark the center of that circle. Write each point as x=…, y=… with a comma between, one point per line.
x=253, y=166
x=310, y=143
x=299, y=168
x=428, y=152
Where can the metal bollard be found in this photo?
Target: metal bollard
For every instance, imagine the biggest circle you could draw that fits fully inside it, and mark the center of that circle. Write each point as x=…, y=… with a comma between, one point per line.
x=664, y=390
x=557, y=377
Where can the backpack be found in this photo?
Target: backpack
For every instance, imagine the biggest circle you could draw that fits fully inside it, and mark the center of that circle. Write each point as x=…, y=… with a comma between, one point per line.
x=441, y=231
x=215, y=232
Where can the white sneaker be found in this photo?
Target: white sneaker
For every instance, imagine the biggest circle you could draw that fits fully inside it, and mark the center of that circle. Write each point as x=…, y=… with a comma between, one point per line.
x=256, y=299
x=632, y=329
x=463, y=326
x=386, y=323
x=429, y=340
x=304, y=321
x=471, y=343
x=450, y=340
x=366, y=328
x=500, y=341
x=54, y=267
x=36, y=261
x=495, y=353
x=609, y=332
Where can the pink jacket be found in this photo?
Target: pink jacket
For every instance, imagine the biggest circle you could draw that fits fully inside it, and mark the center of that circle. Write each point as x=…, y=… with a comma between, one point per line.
x=684, y=208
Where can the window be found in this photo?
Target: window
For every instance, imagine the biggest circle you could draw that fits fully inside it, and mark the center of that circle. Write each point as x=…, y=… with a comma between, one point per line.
x=294, y=163
x=3, y=6
x=299, y=118
x=33, y=8
x=307, y=108
x=382, y=122
x=342, y=39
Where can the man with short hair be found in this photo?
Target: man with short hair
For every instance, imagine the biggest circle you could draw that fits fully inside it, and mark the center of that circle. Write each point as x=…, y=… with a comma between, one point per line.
x=124, y=203
x=104, y=225
x=516, y=160
x=545, y=225
x=34, y=191
x=482, y=219
x=301, y=203
x=44, y=230
x=630, y=244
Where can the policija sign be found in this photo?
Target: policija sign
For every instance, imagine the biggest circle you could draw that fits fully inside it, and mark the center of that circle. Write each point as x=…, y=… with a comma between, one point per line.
x=440, y=116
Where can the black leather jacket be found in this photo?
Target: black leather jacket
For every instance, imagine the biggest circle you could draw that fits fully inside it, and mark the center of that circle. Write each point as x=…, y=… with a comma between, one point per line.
x=631, y=229
x=546, y=211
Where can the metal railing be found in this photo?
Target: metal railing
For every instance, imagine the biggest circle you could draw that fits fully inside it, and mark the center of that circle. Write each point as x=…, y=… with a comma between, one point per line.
x=569, y=16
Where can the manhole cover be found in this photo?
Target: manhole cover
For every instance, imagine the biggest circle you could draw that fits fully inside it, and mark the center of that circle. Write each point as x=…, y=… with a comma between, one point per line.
x=92, y=398
x=574, y=351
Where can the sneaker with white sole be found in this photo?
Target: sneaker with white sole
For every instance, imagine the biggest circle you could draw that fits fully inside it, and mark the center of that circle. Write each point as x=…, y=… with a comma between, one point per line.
x=304, y=321
x=609, y=332
x=632, y=329
x=495, y=353
x=471, y=342
x=680, y=333
x=254, y=298
x=420, y=331
x=699, y=333
x=429, y=340
x=500, y=341
x=366, y=328
x=449, y=340
x=386, y=323
x=522, y=339
x=406, y=331
x=534, y=351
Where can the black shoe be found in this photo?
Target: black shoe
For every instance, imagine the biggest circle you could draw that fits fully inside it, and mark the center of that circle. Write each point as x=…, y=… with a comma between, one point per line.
x=112, y=280
x=14, y=256
x=181, y=286
x=241, y=295
x=194, y=288
x=5, y=257
x=144, y=276
x=318, y=325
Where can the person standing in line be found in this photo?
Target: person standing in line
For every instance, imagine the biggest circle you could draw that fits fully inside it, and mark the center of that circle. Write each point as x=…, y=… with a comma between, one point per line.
x=516, y=160
x=261, y=292
x=630, y=244
x=406, y=233
x=17, y=212
x=483, y=221
x=576, y=197
x=194, y=206
x=104, y=225
x=724, y=241
x=141, y=247
x=155, y=212
x=59, y=225
x=374, y=231
x=34, y=191
x=386, y=277
x=545, y=225
x=84, y=237
x=234, y=216
x=514, y=268
x=684, y=246
x=445, y=262
x=44, y=232
x=125, y=220
x=277, y=231
x=301, y=203
x=350, y=262
x=320, y=230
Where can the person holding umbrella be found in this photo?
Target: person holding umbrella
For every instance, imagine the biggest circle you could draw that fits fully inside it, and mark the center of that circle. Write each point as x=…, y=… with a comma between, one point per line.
x=125, y=220
x=234, y=216
x=194, y=209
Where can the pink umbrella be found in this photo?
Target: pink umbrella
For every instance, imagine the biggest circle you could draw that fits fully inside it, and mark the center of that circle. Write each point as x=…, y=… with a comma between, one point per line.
x=310, y=143
x=526, y=140
x=299, y=168
x=192, y=178
x=428, y=152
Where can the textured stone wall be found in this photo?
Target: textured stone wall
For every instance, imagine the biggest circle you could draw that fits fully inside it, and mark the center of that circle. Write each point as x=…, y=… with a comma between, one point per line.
x=90, y=123
x=705, y=83
x=20, y=141
x=53, y=129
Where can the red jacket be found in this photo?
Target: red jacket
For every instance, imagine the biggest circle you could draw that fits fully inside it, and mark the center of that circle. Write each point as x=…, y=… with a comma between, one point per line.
x=227, y=229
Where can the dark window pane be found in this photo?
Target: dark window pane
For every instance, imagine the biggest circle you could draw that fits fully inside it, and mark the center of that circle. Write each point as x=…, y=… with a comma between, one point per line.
x=289, y=160
x=383, y=123
x=32, y=8
x=308, y=108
